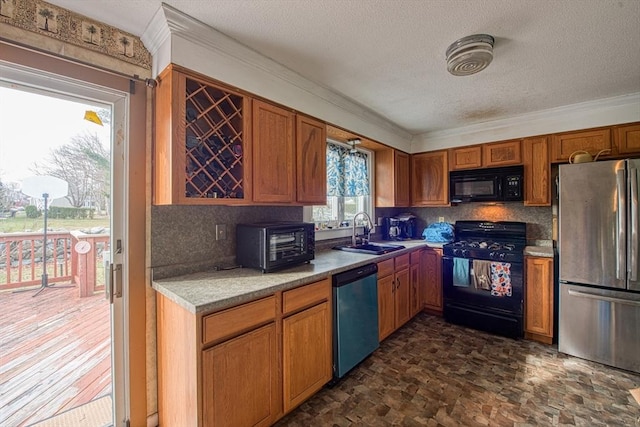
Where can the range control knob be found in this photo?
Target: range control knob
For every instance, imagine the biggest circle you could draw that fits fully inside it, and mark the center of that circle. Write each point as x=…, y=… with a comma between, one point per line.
x=502, y=256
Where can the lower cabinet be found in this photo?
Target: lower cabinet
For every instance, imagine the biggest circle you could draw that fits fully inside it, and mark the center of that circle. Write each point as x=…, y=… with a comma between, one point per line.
x=432, y=280
x=247, y=365
x=240, y=380
x=306, y=353
x=417, y=282
x=538, y=310
x=394, y=294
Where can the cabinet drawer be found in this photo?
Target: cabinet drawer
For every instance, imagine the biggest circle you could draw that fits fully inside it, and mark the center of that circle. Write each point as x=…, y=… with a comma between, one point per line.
x=385, y=267
x=233, y=321
x=402, y=261
x=306, y=296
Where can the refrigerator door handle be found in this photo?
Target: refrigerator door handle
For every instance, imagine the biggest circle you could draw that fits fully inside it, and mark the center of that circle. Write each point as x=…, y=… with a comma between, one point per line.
x=633, y=242
x=603, y=298
x=621, y=252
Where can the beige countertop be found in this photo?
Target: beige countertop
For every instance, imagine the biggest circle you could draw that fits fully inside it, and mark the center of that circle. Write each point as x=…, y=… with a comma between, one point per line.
x=539, y=251
x=215, y=290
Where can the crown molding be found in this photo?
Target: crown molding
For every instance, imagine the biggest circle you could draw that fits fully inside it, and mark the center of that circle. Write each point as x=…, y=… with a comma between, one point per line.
x=169, y=22
x=601, y=112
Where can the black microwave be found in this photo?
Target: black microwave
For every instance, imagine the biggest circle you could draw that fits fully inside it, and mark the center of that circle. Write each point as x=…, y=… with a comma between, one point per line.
x=487, y=185
x=271, y=246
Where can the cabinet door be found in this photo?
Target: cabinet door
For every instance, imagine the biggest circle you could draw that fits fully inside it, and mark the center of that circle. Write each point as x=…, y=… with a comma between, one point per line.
x=465, y=157
x=627, y=139
x=311, y=165
x=306, y=353
x=402, y=190
x=593, y=141
x=240, y=384
x=537, y=172
x=538, y=316
x=392, y=178
x=503, y=153
x=273, y=152
x=402, y=297
x=430, y=179
x=386, y=310
x=432, y=264
x=416, y=284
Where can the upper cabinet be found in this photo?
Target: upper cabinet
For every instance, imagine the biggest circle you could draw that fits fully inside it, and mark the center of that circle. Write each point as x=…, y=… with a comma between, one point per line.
x=537, y=171
x=591, y=141
x=273, y=150
x=627, y=139
x=494, y=154
x=202, y=151
x=430, y=179
x=505, y=153
x=392, y=178
x=465, y=157
x=311, y=154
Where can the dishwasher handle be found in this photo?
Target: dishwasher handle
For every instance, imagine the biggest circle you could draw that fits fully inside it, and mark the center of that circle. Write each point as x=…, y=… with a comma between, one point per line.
x=351, y=276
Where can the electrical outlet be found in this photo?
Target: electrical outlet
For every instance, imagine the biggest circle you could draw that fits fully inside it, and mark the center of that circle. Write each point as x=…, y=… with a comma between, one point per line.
x=379, y=221
x=440, y=219
x=221, y=231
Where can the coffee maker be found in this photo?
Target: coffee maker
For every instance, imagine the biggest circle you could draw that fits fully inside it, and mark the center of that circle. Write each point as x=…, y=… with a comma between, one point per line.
x=390, y=228
x=408, y=224
x=402, y=227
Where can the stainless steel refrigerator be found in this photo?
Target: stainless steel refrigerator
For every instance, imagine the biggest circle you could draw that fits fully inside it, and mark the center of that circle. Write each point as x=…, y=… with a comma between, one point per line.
x=599, y=308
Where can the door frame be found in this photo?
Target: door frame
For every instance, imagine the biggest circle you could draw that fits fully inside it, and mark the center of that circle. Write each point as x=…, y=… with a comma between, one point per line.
x=131, y=137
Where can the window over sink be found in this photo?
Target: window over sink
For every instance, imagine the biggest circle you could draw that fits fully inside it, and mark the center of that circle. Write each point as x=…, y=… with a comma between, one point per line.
x=349, y=191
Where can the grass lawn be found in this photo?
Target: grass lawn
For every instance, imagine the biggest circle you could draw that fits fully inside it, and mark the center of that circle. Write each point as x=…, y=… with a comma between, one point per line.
x=23, y=224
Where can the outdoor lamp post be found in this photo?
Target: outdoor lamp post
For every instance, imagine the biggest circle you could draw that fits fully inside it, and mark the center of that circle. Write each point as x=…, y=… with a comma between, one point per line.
x=45, y=187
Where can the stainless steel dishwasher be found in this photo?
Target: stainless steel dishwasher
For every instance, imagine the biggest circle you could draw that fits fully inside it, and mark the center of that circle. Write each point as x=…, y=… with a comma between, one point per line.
x=355, y=317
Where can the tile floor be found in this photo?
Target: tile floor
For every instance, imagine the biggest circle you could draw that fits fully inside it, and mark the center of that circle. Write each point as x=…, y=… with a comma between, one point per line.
x=431, y=373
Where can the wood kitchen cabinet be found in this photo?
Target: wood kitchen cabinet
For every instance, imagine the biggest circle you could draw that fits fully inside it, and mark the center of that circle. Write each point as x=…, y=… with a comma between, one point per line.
x=537, y=171
x=430, y=179
x=274, y=150
x=432, y=279
x=392, y=178
x=503, y=153
x=627, y=139
x=538, y=315
x=394, y=294
x=202, y=147
x=307, y=346
x=246, y=365
x=311, y=164
x=468, y=157
x=417, y=282
x=592, y=141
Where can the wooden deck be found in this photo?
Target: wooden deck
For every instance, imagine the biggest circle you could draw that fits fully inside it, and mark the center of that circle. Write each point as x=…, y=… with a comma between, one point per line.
x=55, y=353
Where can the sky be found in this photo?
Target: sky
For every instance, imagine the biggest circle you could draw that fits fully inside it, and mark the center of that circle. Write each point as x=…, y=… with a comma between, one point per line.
x=31, y=125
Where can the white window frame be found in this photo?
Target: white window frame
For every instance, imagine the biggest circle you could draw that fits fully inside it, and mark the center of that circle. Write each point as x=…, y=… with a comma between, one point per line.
x=335, y=233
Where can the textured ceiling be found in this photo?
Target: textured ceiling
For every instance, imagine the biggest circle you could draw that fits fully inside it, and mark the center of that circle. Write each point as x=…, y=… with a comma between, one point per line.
x=388, y=55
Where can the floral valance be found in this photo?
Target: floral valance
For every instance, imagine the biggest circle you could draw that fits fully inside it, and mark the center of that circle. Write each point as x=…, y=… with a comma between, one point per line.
x=347, y=172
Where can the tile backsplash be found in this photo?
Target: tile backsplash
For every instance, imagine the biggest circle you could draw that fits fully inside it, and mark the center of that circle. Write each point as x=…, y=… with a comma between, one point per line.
x=183, y=237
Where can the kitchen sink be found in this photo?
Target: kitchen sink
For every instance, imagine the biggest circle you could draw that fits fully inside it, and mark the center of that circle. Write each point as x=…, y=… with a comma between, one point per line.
x=369, y=248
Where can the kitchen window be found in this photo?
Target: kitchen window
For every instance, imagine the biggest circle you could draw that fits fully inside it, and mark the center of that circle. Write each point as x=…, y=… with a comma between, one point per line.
x=349, y=191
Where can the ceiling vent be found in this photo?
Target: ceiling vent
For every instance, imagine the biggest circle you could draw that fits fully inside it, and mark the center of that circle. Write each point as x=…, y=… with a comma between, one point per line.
x=470, y=54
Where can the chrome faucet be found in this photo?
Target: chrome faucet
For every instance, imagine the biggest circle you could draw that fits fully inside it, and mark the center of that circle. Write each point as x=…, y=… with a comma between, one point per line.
x=367, y=229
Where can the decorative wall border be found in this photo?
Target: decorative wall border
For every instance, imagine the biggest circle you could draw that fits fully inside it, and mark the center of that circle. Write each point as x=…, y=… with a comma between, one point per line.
x=58, y=23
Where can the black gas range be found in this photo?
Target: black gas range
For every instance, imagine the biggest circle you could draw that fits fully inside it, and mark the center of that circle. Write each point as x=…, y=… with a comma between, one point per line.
x=483, y=283
x=500, y=241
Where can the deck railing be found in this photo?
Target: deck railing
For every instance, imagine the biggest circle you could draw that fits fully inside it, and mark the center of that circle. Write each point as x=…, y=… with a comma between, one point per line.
x=21, y=260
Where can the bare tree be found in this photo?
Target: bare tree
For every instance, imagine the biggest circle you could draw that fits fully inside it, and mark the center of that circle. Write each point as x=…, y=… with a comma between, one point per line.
x=84, y=163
